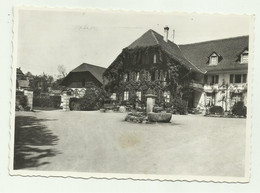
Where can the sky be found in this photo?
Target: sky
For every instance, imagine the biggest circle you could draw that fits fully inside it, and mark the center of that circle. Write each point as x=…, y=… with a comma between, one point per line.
x=48, y=38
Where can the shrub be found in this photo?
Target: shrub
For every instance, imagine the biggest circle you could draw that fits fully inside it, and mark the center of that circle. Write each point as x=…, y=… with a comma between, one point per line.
x=87, y=103
x=180, y=106
x=239, y=109
x=216, y=110
x=21, y=99
x=74, y=104
x=56, y=101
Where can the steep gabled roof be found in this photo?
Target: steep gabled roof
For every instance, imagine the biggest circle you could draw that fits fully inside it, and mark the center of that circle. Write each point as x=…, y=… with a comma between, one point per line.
x=152, y=38
x=97, y=71
x=19, y=71
x=228, y=49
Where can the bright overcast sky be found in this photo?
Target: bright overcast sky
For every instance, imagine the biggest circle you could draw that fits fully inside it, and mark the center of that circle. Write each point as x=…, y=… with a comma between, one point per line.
x=47, y=39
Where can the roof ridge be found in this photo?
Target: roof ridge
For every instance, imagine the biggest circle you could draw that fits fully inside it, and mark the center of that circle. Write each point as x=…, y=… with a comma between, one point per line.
x=157, y=42
x=90, y=65
x=230, y=38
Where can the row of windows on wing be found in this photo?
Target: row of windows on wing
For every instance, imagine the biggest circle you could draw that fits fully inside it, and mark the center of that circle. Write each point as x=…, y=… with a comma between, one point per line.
x=166, y=95
x=214, y=58
x=233, y=78
x=145, y=75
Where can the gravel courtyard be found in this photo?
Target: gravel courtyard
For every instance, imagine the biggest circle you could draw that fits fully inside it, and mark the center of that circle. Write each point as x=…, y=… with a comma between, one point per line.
x=103, y=142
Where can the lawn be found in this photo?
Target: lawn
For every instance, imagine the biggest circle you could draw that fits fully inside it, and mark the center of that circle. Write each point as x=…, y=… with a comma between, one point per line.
x=103, y=142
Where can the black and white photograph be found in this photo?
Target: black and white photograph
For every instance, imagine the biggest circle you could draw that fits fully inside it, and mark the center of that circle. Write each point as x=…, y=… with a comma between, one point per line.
x=128, y=94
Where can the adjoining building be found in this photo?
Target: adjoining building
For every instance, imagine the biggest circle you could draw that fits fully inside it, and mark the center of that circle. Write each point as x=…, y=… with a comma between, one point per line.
x=202, y=74
x=83, y=76
x=226, y=64
x=22, y=81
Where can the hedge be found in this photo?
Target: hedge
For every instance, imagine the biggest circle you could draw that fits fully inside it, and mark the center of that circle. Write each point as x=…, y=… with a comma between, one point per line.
x=50, y=101
x=83, y=104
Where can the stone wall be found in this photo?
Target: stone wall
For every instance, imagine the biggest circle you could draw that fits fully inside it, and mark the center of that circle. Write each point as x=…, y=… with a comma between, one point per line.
x=29, y=95
x=65, y=102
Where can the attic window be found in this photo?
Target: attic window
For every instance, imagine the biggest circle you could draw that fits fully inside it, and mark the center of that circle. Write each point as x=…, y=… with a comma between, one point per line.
x=213, y=60
x=244, y=57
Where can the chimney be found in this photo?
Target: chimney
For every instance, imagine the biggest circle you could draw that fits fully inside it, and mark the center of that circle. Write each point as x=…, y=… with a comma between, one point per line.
x=166, y=31
x=173, y=35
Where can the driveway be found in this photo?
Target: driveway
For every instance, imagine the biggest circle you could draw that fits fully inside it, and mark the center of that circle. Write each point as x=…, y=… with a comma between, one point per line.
x=103, y=142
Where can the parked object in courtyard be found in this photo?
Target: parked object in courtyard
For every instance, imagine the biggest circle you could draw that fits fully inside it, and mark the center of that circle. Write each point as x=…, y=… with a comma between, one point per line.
x=122, y=109
x=159, y=117
x=135, y=117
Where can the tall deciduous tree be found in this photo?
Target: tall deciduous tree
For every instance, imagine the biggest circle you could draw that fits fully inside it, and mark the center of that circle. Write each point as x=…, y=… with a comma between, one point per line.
x=62, y=71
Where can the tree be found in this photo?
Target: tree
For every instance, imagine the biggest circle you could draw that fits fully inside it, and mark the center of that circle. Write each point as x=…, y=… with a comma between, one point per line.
x=40, y=83
x=62, y=71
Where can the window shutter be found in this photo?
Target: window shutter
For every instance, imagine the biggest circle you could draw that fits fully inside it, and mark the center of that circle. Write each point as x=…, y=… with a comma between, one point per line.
x=231, y=78
x=244, y=78
x=216, y=81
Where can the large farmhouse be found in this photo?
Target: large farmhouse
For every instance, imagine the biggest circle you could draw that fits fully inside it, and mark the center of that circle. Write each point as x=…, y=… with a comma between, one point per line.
x=151, y=63
x=202, y=74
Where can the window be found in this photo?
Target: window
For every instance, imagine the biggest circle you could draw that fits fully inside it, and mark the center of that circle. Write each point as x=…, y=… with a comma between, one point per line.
x=161, y=75
x=126, y=95
x=139, y=95
x=244, y=78
x=113, y=96
x=137, y=76
x=214, y=79
x=125, y=77
x=166, y=96
x=213, y=59
x=154, y=58
x=210, y=99
x=244, y=57
x=132, y=76
x=147, y=75
x=156, y=75
x=231, y=78
x=235, y=97
x=238, y=78
x=164, y=76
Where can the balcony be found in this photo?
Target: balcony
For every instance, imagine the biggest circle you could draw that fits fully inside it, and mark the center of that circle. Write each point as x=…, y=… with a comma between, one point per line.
x=211, y=88
x=236, y=87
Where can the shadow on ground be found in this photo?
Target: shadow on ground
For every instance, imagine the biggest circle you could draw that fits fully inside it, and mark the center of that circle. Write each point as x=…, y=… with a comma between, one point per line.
x=33, y=141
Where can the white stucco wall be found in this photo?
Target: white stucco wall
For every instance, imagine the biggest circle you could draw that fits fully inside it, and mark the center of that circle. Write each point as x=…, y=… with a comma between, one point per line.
x=200, y=97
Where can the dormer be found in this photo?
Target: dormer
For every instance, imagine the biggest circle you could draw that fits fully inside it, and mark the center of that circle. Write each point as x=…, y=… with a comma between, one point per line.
x=244, y=56
x=214, y=59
